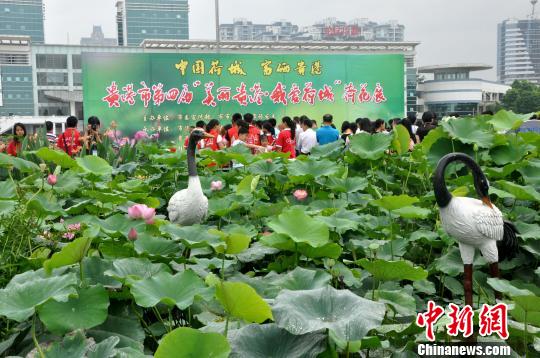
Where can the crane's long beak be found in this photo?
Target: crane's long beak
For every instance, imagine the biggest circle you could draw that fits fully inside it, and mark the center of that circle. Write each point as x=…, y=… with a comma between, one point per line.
x=487, y=201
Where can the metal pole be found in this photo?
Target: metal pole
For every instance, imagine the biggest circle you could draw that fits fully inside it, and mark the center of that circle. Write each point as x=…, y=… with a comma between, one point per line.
x=217, y=24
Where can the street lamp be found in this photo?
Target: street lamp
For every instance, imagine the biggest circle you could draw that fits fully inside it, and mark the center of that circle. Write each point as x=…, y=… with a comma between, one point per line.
x=217, y=23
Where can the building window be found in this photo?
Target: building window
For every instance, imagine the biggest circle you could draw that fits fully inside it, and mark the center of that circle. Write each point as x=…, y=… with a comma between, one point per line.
x=77, y=79
x=143, y=31
x=178, y=16
x=51, y=61
x=6, y=9
x=52, y=79
x=76, y=62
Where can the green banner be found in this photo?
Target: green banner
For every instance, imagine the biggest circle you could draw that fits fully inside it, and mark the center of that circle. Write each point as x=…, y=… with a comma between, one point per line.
x=166, y=93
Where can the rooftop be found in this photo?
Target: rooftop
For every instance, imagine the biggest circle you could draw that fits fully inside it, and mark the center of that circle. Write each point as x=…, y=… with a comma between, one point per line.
x=455, y=66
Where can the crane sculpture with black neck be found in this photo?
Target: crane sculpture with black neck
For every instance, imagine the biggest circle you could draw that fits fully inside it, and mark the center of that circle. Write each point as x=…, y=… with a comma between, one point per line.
x=475, y=224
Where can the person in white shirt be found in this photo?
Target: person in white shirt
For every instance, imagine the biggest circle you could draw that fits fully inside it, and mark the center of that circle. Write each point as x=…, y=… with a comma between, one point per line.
x=298, y=132
x=380, y=126
x=274, y=124
x=243, y=132
x=308, y=138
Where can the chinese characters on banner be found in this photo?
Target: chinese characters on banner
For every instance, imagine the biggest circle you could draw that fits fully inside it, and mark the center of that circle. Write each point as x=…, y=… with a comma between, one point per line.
x=243, y=95
x=492, y=320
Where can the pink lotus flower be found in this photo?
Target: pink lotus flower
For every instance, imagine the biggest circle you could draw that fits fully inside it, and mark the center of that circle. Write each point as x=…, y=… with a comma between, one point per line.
x=74, y=227
x=141, y=211
x=68, y=235
x=51, y=179
x=140, y=135
x=216, y=185
x=132, y=235
x=300, y=194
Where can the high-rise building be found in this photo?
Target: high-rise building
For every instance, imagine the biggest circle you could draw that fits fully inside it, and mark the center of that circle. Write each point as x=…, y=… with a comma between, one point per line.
x=97, y=38
x=329, y=29
x=22, y=18
x=518, y=49
x=138, y=20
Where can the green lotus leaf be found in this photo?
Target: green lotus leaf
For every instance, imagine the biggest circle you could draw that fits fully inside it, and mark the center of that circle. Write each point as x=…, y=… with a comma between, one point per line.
x=94, y=165
x=105, y=197
x=71, y=253
x=241, y=301
x=126, y=327
x=8, y=190
x=401, y=140
x=247, y=185
x=104, y=349
x=24, y=166
x=264, y=168
x=71, y=347
x=179, y=290
x=531, y=174
x=45, y=204
x=58, y=157
x=393, y=270
x=7, y=206
x=67, y=183
x=235, y=242
x=371, y=147
x=395, y=202
x=156, y=246
x=507, y=287
x=301, y=228
x=469, y=131
x=433, y=136
x=256, y=252
x=135, y=269
x=412, y=212
x=20, y=298
x=507, y=120
x=262, y=341
x=331, y=150
x=302, y=279
x=425, y=286
x=520, y=192
x=347, y=185
x=401, y=302
x=94, y=269
x=348, y=316
x=452, y=264
x=87, y=310
x=312, y=168
x=195, y=236
x=186, y=342
x=341, y=221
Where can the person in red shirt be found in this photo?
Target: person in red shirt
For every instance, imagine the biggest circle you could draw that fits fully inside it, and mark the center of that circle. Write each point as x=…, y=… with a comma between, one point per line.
x=254, y=135
x=15, y=144
x=70, y=140
x=233, y=132
x=285, y=142
x=269, y=132
x=212, y=128
x=200, y=145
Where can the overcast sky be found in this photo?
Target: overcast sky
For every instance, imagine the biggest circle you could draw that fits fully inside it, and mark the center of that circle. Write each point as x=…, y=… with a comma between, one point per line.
x=449, y=31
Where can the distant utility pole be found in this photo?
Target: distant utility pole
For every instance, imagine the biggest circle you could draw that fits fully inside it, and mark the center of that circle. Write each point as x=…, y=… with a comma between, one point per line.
x=217, y=24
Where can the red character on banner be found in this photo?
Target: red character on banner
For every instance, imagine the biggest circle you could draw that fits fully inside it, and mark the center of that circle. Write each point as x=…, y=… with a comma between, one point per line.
x=113, y=97
x=429, y=318
x=241, y=95
x=294, y=94
x=462, y=320
x=364, y=95
x=224, y=94
x=349, y=94
x=210, y=99
x=279, y=95
x=172, y=94
x=129, y=95
x=326, y=94
x=378, y=95
x=257, y=94
x=493, y=320
x=145, y=94
x=159, y=96
x=309, y=93
x=186, y=96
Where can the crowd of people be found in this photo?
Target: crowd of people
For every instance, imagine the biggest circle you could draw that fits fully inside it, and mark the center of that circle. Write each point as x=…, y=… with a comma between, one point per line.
x=295, y=136
x=299, y=135
x=70, y=141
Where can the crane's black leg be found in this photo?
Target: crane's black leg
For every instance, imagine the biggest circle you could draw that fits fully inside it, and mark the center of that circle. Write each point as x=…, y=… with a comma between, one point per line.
x=494, y=271
x=467, y=283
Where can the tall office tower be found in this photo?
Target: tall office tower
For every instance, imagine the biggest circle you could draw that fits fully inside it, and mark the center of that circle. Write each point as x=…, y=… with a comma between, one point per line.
x=22, y=18
x=138, y=20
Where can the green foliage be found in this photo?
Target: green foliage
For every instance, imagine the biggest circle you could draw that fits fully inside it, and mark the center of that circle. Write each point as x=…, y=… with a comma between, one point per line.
x=344, y=270
x=523, y=97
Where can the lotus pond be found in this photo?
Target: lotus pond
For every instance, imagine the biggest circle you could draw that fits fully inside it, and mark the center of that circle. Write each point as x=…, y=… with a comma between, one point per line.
x=341, y=272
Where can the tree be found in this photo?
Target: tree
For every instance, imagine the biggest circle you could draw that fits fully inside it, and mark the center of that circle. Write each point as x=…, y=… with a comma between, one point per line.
x=523, y=97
